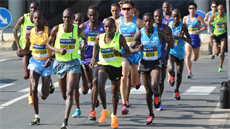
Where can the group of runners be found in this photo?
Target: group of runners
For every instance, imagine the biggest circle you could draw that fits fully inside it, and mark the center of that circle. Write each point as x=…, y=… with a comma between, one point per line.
x=123, y=48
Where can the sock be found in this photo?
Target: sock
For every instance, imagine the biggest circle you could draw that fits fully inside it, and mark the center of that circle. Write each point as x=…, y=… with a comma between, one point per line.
x=189, y=72
x=37, y=116
x=150, y=114
x=104, y=109
x=176, y=90
x=125, y=105
x=66, y=121
x=113, y=115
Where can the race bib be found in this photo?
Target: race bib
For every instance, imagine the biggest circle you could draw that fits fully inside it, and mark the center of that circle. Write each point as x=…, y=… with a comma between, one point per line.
x=69, y=44
x=175, y=42
x=150, y=53
x=40, y=51
x=129, y=38
x=92, y=38
x=108, y=55
x=219, y=26
x=29, y=27
x=191, y=30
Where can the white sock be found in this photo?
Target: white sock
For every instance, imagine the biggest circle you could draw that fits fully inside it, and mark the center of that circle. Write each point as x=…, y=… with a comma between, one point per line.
x=105, y=109
x=113, y=115
x=50, y=84
x=37, y=116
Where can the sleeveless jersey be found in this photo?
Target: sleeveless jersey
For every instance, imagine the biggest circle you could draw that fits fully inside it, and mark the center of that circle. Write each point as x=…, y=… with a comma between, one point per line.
x=193, y=26
x=27, y=25
x=218, y=24
x=163, y=45
x=39, y=50
x=152, y=45
x=106, y=55
x=69, y=41
x=179, y=49
x=91, y=38
x=128, y=31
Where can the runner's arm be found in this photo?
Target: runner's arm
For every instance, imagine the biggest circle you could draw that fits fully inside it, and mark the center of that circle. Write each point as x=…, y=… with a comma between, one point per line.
x=164, y=36
x=95, y=51
x=169, y=33
x=16, y=27
x=52, y=39
x=206, y=17
x=185, y=19
x=210, y=21
x=117, y=23
x=185, y=30
x=123, y=43
x=26, y=49
x=203, y=23
x=140, y=23
x=136, y=39
x=83, y=42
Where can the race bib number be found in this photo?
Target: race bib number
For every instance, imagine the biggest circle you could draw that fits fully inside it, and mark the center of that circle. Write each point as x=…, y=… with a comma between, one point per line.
x=92, y=38
x=129, y=38
x=40, y=51
x=191, y=30
x=69, y=44
x=175, y=42
x=108, y=55
x=150, y=53
x=219, y=26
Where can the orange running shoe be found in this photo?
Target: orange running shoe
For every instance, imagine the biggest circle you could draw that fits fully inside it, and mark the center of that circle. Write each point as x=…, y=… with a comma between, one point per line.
x=30, y=99
x=114, y=123
x=104, y=114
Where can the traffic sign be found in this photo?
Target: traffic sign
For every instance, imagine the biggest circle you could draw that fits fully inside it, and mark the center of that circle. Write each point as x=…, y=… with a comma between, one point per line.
x=5, y=18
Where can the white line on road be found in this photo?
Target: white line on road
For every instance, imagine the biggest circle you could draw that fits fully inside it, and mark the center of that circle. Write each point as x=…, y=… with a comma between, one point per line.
x=3, y=85
x=219, y=114
x=199, y=90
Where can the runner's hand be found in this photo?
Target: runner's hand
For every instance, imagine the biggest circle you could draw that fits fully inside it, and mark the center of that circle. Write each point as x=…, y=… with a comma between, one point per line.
x=164, y=62
x=180, y=35
x=196, y=32
x=116, y=53
x=82, y=56
x=47, y=63
x=224, y=25
x=91, y=65
x=19, y=52
x=212, y=35
x=62, y=51
x=140, y=47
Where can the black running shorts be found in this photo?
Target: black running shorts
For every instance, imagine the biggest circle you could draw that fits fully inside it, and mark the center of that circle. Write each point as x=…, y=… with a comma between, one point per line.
x=114, y=72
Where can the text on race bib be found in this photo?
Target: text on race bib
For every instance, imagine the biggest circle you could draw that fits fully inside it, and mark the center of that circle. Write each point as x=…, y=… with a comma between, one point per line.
x=150, y=53
x=108, y=55
x=69, y=44
x=40, y=51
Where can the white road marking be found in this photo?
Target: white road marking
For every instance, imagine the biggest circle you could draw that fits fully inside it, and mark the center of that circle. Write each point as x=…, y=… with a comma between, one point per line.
x=39, y=88
x=3, y=85
x=141, y=90
x=199, y=90
x=2, y=61
x=219, y=115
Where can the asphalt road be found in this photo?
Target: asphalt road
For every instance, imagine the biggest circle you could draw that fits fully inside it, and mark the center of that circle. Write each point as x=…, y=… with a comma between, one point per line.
x=198, y=107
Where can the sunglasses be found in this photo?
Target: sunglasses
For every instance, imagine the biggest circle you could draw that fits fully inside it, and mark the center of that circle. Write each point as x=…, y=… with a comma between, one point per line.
x=191, y=8
x=213, y=6
x=128, y=9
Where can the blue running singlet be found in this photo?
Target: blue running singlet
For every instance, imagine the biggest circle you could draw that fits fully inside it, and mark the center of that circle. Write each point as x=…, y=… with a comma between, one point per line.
x=179, y=49
x=91, y=38
x=194, y=26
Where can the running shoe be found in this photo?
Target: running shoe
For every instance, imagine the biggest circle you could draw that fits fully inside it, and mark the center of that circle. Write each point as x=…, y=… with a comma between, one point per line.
x=30, y=99
x=114, y=123
x=104, y=114
x=119, y=93
x=92, y=115
x=176, y=94
x=172, y=81
x=127, y=103
x=138, y=85
x=220, y=69
x=97, y=104
x=35, y=122
x=213, y=57
x=217, y=55
x=124, y=110
x=150, y=120
x=189, y=75
x=157, y=101
x=77, y=113
x=161, y=108
x=64, y=126
x=51, y=87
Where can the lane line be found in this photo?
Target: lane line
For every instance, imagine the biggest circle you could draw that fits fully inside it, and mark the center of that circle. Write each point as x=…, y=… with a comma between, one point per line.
x=199, y=90
x=219, y=115
x=3, y=85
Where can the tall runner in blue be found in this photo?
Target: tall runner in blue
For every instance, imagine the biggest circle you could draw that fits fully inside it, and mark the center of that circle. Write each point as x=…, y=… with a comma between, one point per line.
x=128, y=26
x=193, y=22
x=206, y=19
x=158, y=17
x=150, y=59
x=177, y=53
x=92, y=28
